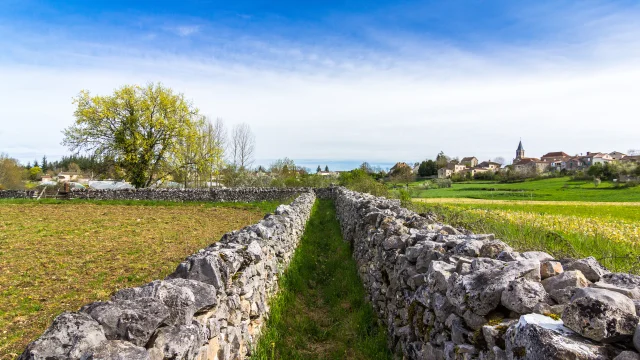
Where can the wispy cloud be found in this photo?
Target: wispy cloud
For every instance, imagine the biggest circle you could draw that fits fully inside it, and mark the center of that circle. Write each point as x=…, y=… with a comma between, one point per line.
x=186, y=30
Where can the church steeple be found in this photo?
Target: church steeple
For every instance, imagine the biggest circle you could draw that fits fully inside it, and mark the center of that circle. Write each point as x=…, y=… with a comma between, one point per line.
x=520, y=151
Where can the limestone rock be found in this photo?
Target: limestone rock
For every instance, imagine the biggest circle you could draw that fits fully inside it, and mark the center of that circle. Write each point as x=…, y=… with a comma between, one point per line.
x=536, y=255
x=522, y=295
x=601, y=315
x=508, y=256
x=589, y=267
x=550, y=268
x=179, y=300
x=204, y=295
x=481, y=291
x=469, y=248
x=628, y=355
x=134, y=321
x=179, y=342
x=626, y=284
x=538, y=337
x=71, y=336
x=636, y=338
x=119, y=350
x=491, y=249
x=568, y=279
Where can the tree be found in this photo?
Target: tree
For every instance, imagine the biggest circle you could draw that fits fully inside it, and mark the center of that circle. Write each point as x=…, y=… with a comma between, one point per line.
x=73, y=167
x=442, y=160
x=366, y=167
x=242, y=146
x=139, y=127
x=500, y=160
x=428, y=168
x=45, y=165
x=402, y=174
x=35, y=164
x=318, y=169
x=326, y=168
x=35, y=173
x=596, y=170
x=10, y=173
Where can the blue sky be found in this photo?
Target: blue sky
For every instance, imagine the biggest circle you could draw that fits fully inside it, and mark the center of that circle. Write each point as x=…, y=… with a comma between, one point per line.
x=338, y=81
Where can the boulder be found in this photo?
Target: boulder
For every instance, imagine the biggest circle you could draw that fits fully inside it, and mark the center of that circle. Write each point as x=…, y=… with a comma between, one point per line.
x=601, y=315
x=485, y=263
x=568, y=279
x=134, y=321
x=550, y=268
x=539, y=337
x=491, y=249
x=119, y=350
x=522, y=295
x=469, y=248
x=536, y=255
x=204, y=295
x=178, y=342
x=508, y=255
x=481, y=291
x=589, y=267
x=179, y=300
x=636, y=338
x=628, y=355
x=626, y=284
x=71, y=336
x=438, y=275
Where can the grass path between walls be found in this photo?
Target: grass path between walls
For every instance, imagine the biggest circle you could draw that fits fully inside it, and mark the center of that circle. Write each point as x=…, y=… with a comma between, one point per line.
x=321, y=311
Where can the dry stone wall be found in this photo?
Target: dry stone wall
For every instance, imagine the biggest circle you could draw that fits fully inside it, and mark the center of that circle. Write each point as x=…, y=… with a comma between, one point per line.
x=445, y=293
x=216, y=195
x=16, y=194
x=212, y=307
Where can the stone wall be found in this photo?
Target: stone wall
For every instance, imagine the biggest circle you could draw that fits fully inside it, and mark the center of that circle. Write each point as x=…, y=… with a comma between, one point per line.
x=217, y=195
x=212, y=307
x=214, y=195
x=445, y=293
x=16, y=194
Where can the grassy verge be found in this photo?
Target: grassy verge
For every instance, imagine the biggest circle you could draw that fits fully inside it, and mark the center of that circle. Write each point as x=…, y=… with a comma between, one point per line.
x=56, y=257
x=321, y=311
x=534, y=234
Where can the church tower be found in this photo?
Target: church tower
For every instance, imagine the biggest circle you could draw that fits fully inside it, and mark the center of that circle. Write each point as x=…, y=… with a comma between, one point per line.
x=520, y=152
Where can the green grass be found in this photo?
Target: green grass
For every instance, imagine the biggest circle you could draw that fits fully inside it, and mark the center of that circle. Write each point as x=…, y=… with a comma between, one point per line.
x=553, y=189
x=615, y=255
x=321, y=311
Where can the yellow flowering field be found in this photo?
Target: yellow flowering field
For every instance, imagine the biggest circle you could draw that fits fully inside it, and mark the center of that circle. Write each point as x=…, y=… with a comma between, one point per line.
x=617, y=230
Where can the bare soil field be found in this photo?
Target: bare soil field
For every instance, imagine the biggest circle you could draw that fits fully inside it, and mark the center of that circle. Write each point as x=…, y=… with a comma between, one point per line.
x=58, y=257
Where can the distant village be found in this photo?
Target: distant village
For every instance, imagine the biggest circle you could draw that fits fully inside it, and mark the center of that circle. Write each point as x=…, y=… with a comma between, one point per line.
x=469, y=167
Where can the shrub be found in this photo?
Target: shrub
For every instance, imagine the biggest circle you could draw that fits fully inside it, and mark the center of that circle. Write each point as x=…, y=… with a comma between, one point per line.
x=443, y=183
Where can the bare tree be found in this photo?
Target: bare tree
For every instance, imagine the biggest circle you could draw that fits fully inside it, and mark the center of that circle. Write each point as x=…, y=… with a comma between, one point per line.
x=500, y=160
x=220, y=139
x=242, y=146
x=633, y=152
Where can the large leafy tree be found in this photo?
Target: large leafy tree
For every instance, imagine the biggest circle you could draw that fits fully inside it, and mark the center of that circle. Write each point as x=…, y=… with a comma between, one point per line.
x=141, y=128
